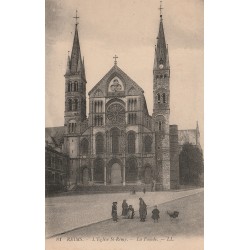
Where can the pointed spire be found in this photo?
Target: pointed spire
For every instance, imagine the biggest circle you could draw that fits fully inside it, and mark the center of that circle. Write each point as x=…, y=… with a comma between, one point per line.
x=79, y=65
x=161, y=53
x=155, y=59
x=83, y=70
x=197, y=133
x=197, y=126
x=76, y=52
x=68, y=65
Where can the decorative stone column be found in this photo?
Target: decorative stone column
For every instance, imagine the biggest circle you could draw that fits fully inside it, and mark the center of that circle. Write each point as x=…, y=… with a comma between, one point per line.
x=124, y=176
x=105, y=175
x=92, y=175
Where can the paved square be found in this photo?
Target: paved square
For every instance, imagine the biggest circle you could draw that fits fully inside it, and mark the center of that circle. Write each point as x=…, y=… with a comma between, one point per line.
x=70, y=212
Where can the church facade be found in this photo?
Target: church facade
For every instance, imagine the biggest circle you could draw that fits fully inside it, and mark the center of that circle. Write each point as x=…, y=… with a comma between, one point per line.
x=118, y=142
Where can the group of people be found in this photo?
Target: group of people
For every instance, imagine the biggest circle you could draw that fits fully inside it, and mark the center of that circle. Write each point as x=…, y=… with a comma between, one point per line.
x=128, y=211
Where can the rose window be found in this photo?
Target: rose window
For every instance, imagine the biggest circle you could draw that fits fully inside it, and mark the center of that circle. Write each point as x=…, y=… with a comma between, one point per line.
x=116, y=113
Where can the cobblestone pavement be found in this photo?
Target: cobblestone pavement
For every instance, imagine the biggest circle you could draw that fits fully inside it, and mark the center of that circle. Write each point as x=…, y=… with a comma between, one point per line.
x=66, y=213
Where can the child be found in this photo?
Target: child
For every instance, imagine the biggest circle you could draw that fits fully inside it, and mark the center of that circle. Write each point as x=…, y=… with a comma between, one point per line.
x=131, y=212
x=155, y=214
x=114, y=211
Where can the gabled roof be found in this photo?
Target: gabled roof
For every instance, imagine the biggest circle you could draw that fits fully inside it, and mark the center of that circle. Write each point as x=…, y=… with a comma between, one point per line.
x=115, y=70
x=55, y=134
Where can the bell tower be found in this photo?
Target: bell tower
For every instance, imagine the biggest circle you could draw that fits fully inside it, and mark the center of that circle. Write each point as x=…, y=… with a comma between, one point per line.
x=161, y=111
x=75, y=88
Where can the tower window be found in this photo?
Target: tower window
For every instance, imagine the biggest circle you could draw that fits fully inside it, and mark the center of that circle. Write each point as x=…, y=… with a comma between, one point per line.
x=75, y=87
x=69, y=86
x=76, y=104
x=69, y=105
x=160, y=125
x=158, y=98
x=72, y=127
x=164, y=98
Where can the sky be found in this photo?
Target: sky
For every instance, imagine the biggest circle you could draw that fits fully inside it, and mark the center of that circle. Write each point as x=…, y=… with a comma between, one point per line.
x=128, y=28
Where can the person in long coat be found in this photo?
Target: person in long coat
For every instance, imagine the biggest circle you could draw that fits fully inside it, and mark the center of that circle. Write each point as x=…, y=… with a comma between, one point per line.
x=131, y=212
x=155, y=214
x=124, y=208
x=114, y=211
x=142, y=210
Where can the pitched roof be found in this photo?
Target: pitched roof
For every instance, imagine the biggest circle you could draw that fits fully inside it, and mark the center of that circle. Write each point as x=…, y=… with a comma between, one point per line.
x=56, y=134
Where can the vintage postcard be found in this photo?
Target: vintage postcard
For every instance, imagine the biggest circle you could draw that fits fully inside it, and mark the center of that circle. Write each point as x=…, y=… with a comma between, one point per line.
x=124, y=129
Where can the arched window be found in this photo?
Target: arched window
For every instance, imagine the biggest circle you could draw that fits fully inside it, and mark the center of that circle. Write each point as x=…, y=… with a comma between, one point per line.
x=132, y=118
x=160, y=125
x=164, y=98
x=115, y=140
x=131, y=143
x=75, y=86
x=72, y=127
x=69, y=86
x=99, y=142
x=76, y=104
x=85, y=146
x=158, y=98
x=69, y=105
x=148, y=144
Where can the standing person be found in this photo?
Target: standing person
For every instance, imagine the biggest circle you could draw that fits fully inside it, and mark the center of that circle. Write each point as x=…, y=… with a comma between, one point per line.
x=142, y=210
x=114, y=211
x=144, y=190
x=124, y=208
x=155, y=214
x=131, y=212
x=152, y=186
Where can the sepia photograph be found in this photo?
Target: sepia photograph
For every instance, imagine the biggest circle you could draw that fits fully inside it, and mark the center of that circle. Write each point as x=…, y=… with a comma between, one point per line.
x=124, y=124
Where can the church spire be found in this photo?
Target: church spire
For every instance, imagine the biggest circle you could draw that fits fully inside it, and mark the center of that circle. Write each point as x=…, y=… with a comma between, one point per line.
x=68, y=65
x=75, y=63
x=76, y=52
x=161, y=52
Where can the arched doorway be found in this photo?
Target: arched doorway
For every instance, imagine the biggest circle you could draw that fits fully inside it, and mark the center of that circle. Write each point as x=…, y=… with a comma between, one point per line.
x=148, y=175
x=131, y=170
x=85, y=176
x=98, y=170
x=116, y=174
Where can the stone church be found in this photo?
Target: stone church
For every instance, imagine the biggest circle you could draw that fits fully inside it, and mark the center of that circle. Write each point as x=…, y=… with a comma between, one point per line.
x=118, y=143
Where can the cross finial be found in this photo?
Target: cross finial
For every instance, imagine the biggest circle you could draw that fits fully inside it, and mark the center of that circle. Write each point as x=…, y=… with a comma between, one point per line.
x=76, y=17
x=160, y=9
x=115, y=57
